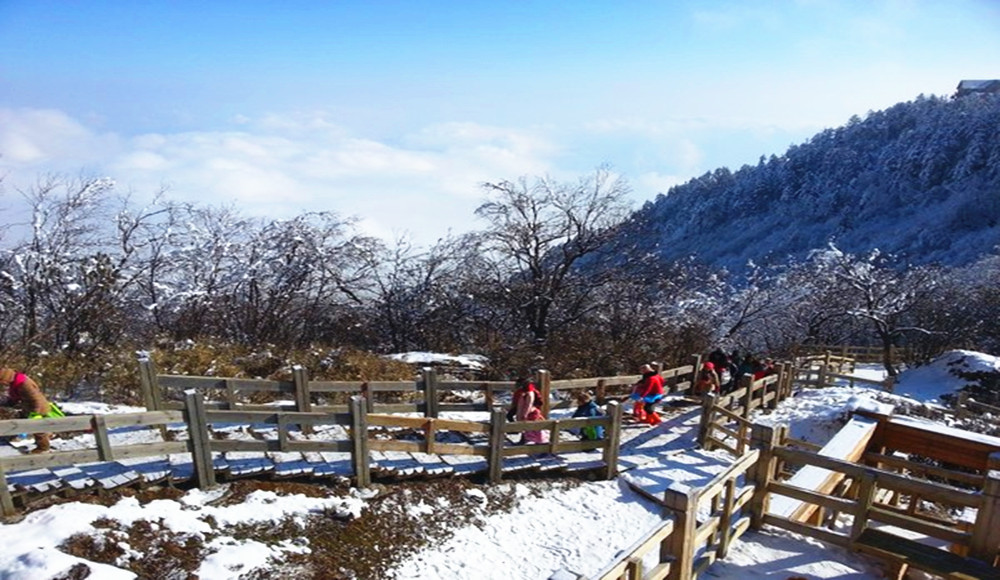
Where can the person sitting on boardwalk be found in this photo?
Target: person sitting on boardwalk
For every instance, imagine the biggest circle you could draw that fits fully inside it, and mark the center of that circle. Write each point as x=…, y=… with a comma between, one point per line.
x=25, y=393
x=526, y=404
x=587, y=407
x=647, y=393
x=707, y=380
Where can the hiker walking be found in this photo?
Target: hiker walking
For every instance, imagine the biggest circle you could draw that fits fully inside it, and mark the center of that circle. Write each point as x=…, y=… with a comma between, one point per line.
x=24, y=393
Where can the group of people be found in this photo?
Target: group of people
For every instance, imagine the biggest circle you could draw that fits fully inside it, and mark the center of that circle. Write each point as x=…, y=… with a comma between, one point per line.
x=526, y=405
x=721, y=372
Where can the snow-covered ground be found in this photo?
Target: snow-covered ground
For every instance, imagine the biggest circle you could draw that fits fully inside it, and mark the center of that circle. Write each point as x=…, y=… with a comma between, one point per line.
x=581, y=529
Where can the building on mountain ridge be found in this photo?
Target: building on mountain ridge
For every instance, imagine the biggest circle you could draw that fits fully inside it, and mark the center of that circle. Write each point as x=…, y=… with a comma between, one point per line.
x=969, y=87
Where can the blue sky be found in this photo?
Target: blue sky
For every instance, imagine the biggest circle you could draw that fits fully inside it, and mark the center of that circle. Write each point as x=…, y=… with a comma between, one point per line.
x=396, y=111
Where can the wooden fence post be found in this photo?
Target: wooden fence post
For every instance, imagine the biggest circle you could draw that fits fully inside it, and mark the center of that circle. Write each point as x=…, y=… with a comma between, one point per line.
x=695, y=367
x=303, y=399
x=150, y=387
x=726, y=519
x=429, y=378
x=544, y=384
x=961, y=403
x=764, y=438
x=303, y=402
x=787, y=380
x=201, y=449
x=866, y=496
x=6, y=501
x=495, y=459
x=359, y=437
x=151, y=396
x=986, y=531
x=614, y=436
x=232, y=403
x=100, y=427
x=490, y=395
x=746, y=381
x=682, y=502
x=705, y=427
x=369, y=400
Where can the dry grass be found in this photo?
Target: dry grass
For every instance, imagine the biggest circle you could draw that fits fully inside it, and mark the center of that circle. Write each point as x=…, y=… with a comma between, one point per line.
x=339, y=547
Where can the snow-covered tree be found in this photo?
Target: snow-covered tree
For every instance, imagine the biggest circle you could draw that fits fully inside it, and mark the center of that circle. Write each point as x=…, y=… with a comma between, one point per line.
x=538, y=234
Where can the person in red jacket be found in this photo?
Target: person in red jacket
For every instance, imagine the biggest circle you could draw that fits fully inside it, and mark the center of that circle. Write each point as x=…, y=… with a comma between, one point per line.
x=647, y=393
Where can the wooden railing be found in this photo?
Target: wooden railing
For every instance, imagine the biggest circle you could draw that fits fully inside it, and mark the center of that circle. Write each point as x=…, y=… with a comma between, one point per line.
x=865, y=354
x=703, y=524
x=163, y=391
x=102, y=451
x=725, y=421
x=870, y=494
x=966, y=406
x=198, y=418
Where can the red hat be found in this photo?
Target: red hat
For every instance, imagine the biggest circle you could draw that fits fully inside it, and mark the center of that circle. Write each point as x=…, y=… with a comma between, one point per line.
x=709, y=366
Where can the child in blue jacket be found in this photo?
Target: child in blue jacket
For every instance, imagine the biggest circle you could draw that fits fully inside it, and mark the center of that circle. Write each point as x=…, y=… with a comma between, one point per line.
x=588, y=408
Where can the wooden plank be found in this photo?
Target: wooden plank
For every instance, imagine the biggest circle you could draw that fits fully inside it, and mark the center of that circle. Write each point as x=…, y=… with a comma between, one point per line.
x=806, y=530
x=917, y=555
x=143, y=419
x=383, y=445
x=293, y=467
x=465, y=464
x=462, y=426
x=152, y=470
x=38, y=481
x=6, y=500
x=912, y=437
x=241, y=464
x=51, y=459
x=181, y=467
x=111, y=474
x=463, y=407
x=74, y=477
x=828, y=501
x=947, y=533
x=32, y=426
x=433, y=465
x=848, y=444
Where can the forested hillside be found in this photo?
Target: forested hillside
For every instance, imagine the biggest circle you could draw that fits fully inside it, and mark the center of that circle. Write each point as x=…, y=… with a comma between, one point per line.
x=920, y=180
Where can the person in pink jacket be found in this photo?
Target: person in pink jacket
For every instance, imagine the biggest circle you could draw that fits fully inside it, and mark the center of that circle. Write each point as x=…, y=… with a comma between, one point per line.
x=24, y=393
x=526, y=405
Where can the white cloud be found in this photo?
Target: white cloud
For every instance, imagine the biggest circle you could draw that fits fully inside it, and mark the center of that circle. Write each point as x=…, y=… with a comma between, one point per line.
x=653, y=183
x=282, y=166
x=30, y=137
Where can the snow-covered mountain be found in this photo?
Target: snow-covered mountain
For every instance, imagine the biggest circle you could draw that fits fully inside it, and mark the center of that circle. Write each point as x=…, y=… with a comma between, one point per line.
x=920, y=180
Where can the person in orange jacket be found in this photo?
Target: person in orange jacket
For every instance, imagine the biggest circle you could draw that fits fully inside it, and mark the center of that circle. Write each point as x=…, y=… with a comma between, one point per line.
x=25, y=393
x=647, y=393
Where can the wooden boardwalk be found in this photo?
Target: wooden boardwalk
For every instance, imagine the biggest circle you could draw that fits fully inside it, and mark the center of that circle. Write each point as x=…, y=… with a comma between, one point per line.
x=640, y=444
